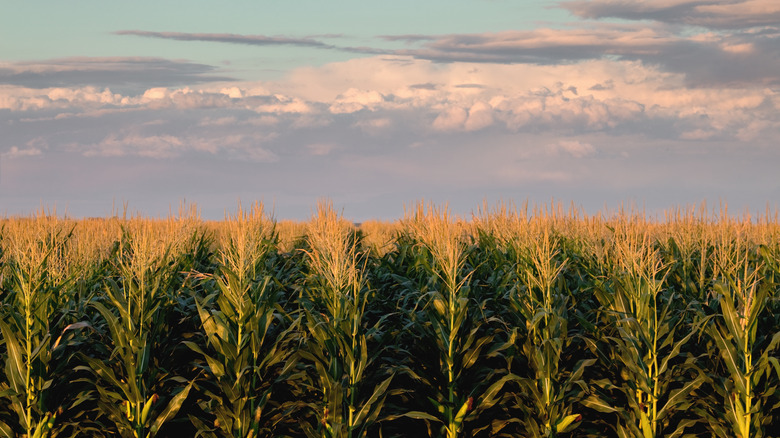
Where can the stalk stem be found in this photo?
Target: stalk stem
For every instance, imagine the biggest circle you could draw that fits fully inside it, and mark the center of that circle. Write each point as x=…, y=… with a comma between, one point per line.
x=30, y=397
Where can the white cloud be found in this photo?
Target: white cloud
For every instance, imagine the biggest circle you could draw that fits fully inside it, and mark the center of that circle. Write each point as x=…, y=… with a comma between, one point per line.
x=219, y=121
x=15, y=152
x=157, y=146
x=374, y=126
x=480, y=116
x=259, y=155
x=232, y=92
x=77, y=98
x=155, y=94
x=354, y=100
x=281, y=104
x=755, y=129
x=575, y=148
x=239, y=146
x=264, y=120
x=697, y=134
x=84, y=95
x=321, y=148
x=306, y=121
x=420, y=96
x=738, y=48
x=451, y=118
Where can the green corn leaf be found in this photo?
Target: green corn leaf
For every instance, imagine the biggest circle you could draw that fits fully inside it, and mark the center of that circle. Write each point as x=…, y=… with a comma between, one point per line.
x=732, y=320
x=42, y=347
x=473, y=353
x=568, y=423
x=171, y=409
x=729, y=355
x=203, y=430
x=599, y=404
x=679, y=396
x=114, y=325
x=419, y=415
x=102, y=371
x=6, y=431
x=579, y=369
x=681, y=427
x=15, y=369
x=757, y=307
x=215, y=366
x=678, y=345
x=369, y=405
x=629, y=431
x=491, y=396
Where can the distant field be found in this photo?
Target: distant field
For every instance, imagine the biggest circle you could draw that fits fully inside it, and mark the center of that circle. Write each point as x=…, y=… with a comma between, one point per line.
x=533, y=323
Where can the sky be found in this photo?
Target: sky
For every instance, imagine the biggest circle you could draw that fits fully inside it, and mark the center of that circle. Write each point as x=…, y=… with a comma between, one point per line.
x=601, y=104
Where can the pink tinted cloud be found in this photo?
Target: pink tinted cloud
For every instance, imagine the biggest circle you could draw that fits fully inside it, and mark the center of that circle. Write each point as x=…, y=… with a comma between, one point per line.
x=353, y=100
x=575, y=148
x=376, y=126
x=720, y=14
x=253, y=40
x=588, y=96
x=246, y=146
x=705, y=59
x=480, y=116
x=450, y=119
x=130, y=73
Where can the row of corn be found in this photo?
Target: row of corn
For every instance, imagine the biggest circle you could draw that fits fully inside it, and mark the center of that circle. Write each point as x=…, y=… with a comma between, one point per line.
x=510, y=324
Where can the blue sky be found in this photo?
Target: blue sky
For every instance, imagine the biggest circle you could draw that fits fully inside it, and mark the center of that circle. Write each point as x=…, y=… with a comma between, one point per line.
x=657, y=104
x=87, y=28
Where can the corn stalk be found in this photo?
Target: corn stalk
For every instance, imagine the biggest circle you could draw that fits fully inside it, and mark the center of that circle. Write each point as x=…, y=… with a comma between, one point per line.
x=459, y=386
x=33, y=291
x=337, y=334
x=244, y=330
x=542, y=299
x=133, y=308
x=648, y=344
x=751, y=370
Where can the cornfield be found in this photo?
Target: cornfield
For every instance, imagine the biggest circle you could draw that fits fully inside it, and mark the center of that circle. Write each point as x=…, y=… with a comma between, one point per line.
x=509, y=324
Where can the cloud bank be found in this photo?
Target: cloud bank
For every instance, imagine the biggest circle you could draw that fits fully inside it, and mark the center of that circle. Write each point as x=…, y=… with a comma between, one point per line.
x=610, y=97
x=717, y=14
x=127, y=73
